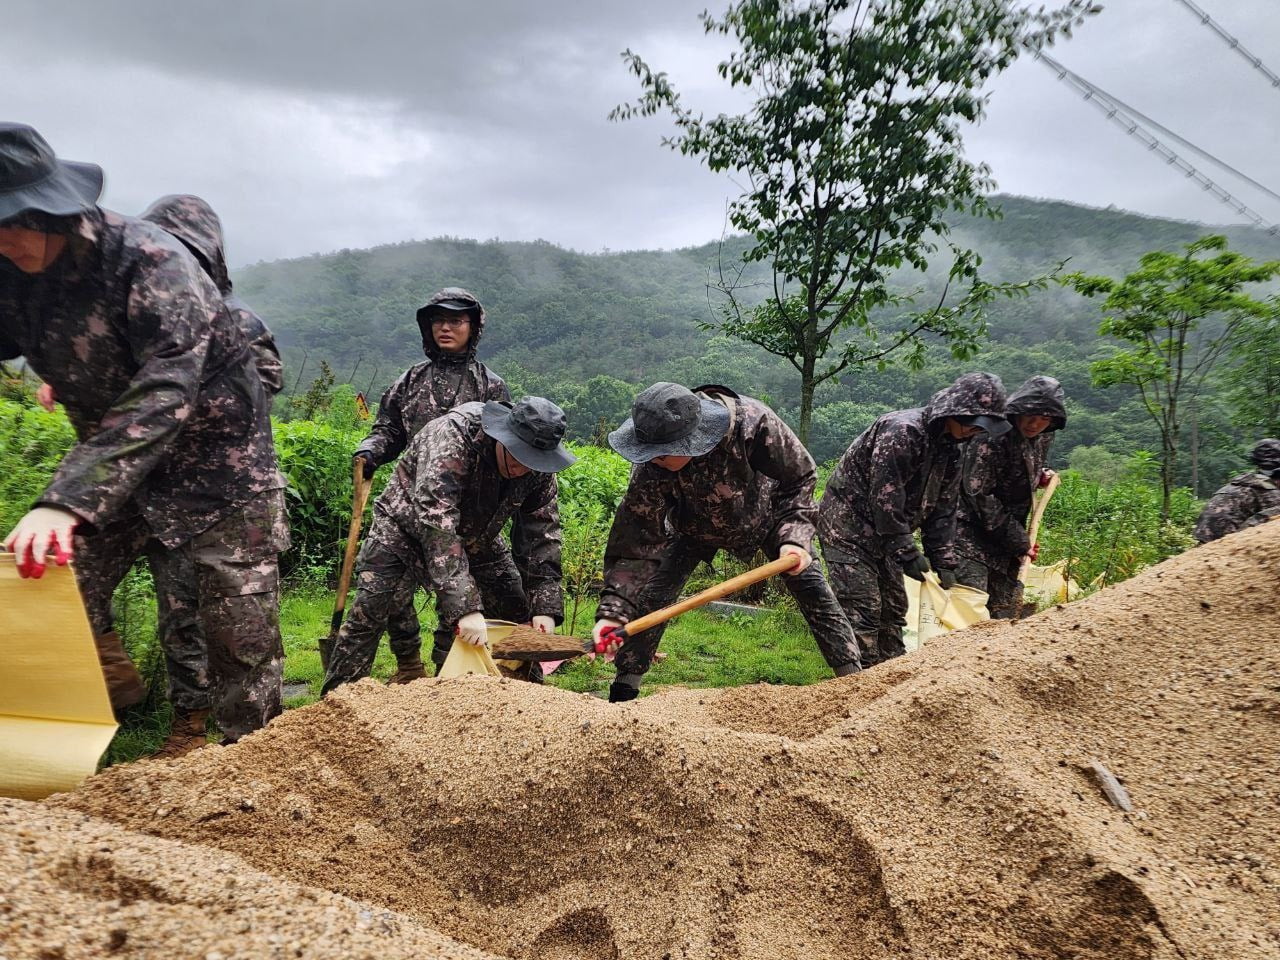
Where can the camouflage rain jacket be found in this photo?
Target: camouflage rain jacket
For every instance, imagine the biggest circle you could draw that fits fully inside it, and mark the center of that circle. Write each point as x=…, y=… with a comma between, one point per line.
x=754, y=489
x=449, y=500
x=432, y=388
x=193, y=222
x=155, y=377
x=1247, y=500
x=1000, y=477
x=903, y=474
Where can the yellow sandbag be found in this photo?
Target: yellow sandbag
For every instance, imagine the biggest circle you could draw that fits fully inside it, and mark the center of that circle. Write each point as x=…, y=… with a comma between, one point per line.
x=932, y=611
x=1050, y=584
x=55, y=718
x=467, y=658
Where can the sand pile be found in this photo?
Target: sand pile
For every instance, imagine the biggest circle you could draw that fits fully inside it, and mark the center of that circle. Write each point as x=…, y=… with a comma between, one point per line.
x=938, y=807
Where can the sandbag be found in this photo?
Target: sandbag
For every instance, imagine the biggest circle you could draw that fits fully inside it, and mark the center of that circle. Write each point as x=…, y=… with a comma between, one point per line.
x=467, y=658
x=932, y=611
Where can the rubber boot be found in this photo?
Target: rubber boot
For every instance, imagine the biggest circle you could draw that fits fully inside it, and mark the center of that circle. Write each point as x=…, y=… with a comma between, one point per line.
x=187, y=734
x=125, y=688
x=845, y=669
x=408, y=669
x=625, y=687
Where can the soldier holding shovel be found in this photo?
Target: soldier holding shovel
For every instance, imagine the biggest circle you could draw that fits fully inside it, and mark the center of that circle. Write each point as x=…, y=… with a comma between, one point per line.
x=715, y=471
x=438, y=525
x=1001, y=475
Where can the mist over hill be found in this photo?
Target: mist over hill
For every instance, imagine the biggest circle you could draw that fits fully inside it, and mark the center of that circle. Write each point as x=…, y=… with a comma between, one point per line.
x=559, y=318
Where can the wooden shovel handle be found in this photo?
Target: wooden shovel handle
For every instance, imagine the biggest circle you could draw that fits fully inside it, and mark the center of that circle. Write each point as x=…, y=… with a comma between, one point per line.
x=1037, y=515
x=359, y=497
x=732, y=585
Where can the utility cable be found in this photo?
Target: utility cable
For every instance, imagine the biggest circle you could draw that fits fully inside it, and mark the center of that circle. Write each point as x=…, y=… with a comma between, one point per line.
x=1129, y=121
x=1233, y=43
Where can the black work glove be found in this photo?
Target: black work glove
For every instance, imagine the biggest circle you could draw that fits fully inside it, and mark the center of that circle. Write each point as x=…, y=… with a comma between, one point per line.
x=370, y=467
x=946, y=577
x=915, y=566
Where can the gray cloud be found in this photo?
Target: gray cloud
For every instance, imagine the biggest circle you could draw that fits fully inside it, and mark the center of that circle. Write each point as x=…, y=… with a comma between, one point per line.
x=318, y=124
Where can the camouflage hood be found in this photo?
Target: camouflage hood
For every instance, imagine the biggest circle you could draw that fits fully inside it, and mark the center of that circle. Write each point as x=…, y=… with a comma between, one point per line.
x=424, y=321
x=193, y=222
x=973, y=395
x=1266, y=454
x=1040, y=396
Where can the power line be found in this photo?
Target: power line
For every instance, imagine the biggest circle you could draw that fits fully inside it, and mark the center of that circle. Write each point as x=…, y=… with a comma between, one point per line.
x=1129, y=121
x=1233, y=43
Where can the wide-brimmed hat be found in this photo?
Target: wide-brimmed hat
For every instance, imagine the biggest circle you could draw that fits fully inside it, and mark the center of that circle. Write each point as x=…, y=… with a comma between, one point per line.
x=668, y=420
x=531, y=430
x=33, y=178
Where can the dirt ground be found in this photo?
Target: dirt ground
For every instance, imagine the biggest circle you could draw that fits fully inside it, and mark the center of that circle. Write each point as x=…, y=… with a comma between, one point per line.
x=940, y=806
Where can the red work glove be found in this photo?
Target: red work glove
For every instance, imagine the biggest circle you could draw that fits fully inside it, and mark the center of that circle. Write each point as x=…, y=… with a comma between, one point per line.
x=604, y=637
x=43, y=531
x=1045, y=477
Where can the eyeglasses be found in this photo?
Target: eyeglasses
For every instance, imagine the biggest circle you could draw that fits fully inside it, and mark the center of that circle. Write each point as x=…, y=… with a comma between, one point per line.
x=446, y=320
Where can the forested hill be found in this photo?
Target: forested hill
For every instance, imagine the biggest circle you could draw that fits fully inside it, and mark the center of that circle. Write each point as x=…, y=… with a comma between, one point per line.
x=559, y=318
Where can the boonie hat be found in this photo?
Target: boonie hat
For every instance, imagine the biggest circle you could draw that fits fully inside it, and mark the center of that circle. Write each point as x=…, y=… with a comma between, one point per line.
x=33, y=178
x=668, y=420
x=531, y=430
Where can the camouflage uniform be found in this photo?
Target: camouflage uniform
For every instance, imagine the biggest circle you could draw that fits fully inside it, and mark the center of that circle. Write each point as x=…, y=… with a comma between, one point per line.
x=438, y=524
x=422, y=394
x=900, y=475
x=753, y=491
x=1000, y=477
x=174, y=438
x=1246, y=501
x=195, y=223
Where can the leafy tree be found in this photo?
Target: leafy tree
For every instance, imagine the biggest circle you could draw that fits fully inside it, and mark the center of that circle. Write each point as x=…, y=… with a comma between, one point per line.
x=1178, y=313
x=852, y=156
x=599, y=406
x=1253, y=381
x=318, y=396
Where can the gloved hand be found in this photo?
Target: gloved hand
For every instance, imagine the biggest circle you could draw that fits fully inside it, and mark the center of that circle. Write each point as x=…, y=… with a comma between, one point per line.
x=366, y=459
x=1045, y=476
x=608, y=646
x=46, y=397
x=946, y=577
x=915, y=566
x=473, y=630
x=791, y=549
x=543, y=624
x=1034, y=552
x=41, y=531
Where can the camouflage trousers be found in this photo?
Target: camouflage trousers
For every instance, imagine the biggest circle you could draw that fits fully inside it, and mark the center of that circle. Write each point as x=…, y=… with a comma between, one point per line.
x=404, y=632
x=386, y=573
x=236, y=589
x=186, y=655
x=871, y=593
x=810, y=589
x=1004, y=592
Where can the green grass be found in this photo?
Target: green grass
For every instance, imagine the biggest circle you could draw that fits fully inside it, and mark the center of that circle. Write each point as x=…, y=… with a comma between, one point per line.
x=702, y=650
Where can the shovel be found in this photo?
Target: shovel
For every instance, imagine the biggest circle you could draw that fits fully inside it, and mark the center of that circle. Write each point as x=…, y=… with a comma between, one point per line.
x=1037, y=515
x=720, y=590
x=359, y=497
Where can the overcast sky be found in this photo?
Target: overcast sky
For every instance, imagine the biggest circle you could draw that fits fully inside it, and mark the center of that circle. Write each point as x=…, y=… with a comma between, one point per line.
x=312, y=125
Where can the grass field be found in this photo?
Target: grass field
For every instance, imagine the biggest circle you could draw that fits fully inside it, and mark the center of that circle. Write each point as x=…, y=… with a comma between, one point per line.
x=702, y=650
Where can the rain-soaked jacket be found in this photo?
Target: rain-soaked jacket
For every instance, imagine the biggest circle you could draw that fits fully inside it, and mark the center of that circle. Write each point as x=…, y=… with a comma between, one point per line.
x=156, y=378
x=1000, y=477
x=1247, y=500
x=903, y=474
x=449, y=500
x=194, y=222
x=434, y=387
x=754, y=489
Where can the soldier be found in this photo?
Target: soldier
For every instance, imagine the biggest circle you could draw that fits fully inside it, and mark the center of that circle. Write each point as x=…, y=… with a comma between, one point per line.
x=714, y=471
x=900, y=475
x=1246, y=501
x=438, y=524
x=174, y=435
x=1000, y=476
x=452, y=322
